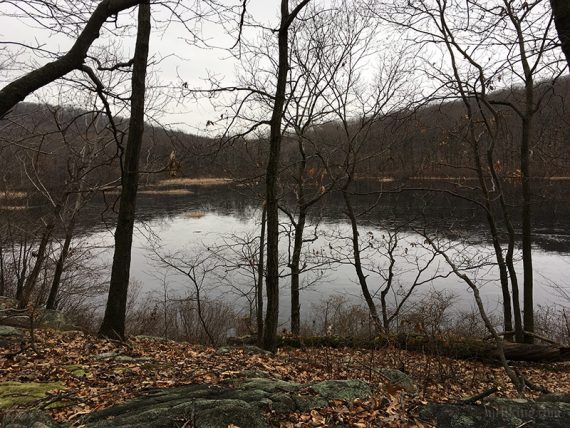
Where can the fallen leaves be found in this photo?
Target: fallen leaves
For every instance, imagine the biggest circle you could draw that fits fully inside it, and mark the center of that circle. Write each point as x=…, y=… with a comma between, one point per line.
x=98, y=373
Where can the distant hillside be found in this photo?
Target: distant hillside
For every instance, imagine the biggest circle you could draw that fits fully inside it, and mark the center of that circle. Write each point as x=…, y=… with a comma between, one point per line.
x=425, y=143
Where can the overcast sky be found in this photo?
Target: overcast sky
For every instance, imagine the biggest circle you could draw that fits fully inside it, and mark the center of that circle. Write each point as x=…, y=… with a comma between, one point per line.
x=177, y=58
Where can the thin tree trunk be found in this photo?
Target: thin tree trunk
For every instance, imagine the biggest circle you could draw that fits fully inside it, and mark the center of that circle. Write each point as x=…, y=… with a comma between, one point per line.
x=272, y=176
x=509, y=262
x=358, y=264
x=21, y=267
x=528, y=306
x=59, y=267
x=113, y=325
x=561, y=12
x=30, y=283
x=296, y=272
x=385, y=319
x=2, y=281
x=260, y=277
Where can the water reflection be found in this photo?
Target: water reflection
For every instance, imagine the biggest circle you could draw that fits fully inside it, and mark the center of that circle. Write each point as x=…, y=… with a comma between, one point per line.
x=192, y=224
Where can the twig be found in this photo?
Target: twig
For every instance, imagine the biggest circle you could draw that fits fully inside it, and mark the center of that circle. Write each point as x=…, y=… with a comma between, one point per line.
x=531, y=385
x=475, y=398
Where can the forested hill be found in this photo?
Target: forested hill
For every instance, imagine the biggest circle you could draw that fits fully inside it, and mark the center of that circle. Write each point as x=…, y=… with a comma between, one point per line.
x=429, y=142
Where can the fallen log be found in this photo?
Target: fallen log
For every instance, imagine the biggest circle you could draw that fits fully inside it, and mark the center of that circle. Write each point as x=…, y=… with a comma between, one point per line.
x=536, y=352
x=448, y=346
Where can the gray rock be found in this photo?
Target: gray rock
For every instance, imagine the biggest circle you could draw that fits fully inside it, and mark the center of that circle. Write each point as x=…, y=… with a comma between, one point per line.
x=46, y=318
x=558, y=397
x=223, y=350
x=8, y=303
x=106, y=356
x=122, y=358
x=342, y=389
x=31, y=418
x=57, y=320
x=399, y=379
x=252, y=349
x=242, y=402
x=9, y=331
x=498, y=413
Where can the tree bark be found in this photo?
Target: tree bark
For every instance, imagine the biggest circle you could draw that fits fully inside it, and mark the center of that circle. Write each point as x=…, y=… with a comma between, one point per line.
x=272, y=176
x=296, y=272
x=59, y=267
x=528, y=305
x=30, y=283
x=20, y=88
x=113, y=325
x=358, y=264
x=561, y=12
x=260, y=277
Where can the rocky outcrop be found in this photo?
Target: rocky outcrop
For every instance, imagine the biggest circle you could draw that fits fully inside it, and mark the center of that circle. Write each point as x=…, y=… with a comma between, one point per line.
x=21, y=393
x=241, y=402
x=499, y=413
x=44, y=318
x=10, y=335
x=32, y=418
x=399, y=379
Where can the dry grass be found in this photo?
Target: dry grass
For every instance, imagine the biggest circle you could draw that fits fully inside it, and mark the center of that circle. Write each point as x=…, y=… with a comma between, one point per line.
x=195, y=214
x=13, y=194
x=206, y=181
x=166, y=192
x=13, y=207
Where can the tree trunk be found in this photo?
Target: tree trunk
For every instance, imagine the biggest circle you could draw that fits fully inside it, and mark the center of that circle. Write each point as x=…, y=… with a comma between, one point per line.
x=52, y=298
x=358, y=265
x=113, y=325
x=509, y=262
x=30, y=283
x=2, y=281
x=388, y=286
x=21, y=267
x=272, y=281
x=528, y=305
x=260, y=278
x=503, y=275
x=561, y=12
x=296, y=271
x=19, y=89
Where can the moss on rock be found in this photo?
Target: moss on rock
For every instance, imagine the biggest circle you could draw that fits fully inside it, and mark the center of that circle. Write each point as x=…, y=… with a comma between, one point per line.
x=20, y=393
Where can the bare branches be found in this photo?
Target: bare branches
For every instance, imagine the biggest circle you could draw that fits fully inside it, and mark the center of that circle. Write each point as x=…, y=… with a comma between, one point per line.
x=19, y=89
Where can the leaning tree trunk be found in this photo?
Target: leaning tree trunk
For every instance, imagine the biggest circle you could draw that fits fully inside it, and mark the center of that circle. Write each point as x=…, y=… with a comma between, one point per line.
x=20, y=88
x=59, y=267
x=561, y=12
x=113, y=325
x=358, y=265
x=30, y=283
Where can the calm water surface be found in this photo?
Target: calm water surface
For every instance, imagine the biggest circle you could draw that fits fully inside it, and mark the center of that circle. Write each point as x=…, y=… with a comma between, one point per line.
x=189, y=225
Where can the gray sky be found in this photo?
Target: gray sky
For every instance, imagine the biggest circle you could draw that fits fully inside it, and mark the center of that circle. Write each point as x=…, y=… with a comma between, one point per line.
x=178, y=59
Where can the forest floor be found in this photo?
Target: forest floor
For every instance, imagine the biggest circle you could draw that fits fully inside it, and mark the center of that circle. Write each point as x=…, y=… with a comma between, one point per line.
x=92, y=374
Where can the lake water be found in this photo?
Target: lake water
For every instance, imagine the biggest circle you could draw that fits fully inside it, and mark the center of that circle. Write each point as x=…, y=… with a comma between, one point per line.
x=214, y=220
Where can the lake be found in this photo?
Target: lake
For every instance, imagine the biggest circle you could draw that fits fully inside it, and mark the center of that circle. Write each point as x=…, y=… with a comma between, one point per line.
x=214, y=220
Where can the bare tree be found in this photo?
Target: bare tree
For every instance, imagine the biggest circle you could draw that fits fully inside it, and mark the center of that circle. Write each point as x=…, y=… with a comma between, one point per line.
x=272, y=175
x=561, y=12
x=20, y=88
x=510, y=45
x=113, y=325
